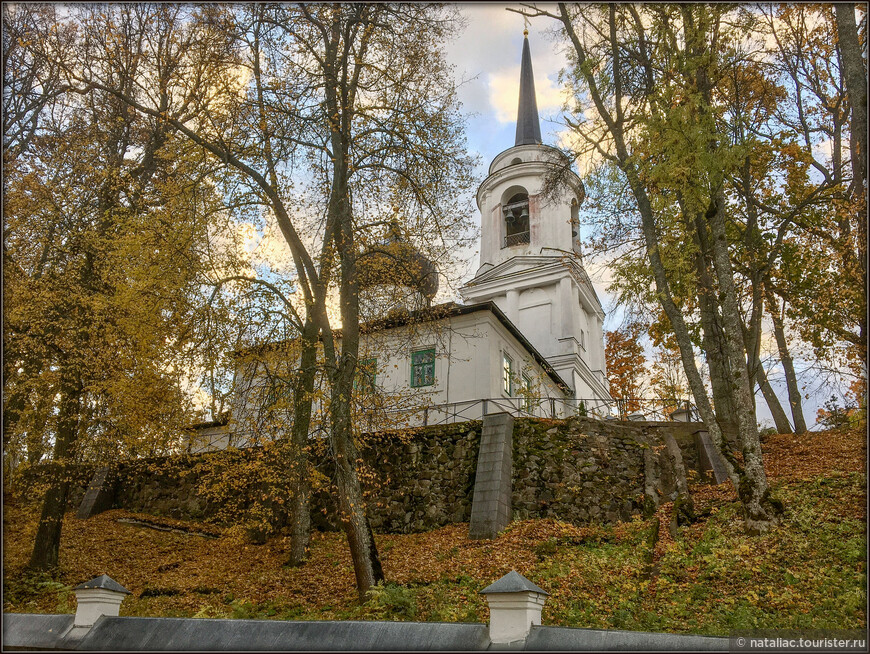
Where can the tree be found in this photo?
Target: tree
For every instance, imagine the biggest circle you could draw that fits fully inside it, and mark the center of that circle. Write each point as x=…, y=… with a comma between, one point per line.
x=356, y=101
x=106, y=225
x=855, y=77
x=649, y=76
x=821, y=244
x=626, y=365
x=34, y=43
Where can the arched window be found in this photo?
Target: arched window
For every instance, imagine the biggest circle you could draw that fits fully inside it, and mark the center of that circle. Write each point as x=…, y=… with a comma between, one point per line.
x=516, y=217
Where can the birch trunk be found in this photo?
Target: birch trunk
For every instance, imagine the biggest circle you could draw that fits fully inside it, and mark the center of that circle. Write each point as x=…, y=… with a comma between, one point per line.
x=776, y=411
x=760, y=512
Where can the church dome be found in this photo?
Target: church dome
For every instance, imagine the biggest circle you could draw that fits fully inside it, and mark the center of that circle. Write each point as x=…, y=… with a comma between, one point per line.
x=396, y=262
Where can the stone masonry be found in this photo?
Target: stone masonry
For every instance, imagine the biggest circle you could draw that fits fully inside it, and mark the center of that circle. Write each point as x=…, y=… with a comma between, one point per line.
x=579, y=470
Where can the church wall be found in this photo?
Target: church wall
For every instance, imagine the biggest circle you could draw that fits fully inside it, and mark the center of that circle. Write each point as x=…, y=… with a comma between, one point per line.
x=501, y=341
x=538, y=317
x=468, y=359
x=548, y=299
x=596, y=358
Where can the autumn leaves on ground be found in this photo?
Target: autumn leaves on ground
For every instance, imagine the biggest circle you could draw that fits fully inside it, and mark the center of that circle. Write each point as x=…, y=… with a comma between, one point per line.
x=808, y=573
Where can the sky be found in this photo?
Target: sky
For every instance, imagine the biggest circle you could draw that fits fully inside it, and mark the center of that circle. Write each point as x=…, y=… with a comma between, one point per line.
x=487, y=56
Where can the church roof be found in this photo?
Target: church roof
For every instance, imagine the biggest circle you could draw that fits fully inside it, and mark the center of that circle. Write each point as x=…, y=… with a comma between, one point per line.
x=528, y=125
x=221, y=421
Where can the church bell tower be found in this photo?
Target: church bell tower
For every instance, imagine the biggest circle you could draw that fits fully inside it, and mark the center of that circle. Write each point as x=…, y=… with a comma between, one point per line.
x=530, y=254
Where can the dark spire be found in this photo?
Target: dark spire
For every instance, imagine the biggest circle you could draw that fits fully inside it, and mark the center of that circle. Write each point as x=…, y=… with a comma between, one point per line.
x=528, y=126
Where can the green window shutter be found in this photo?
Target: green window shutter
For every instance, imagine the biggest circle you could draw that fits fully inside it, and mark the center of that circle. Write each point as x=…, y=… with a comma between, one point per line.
x=278, y=389
x=422, y=368
x=366, y=375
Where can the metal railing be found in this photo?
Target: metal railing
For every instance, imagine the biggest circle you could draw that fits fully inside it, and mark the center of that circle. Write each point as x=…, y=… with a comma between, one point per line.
x=651, y=409
x=520, y=238
x=631, y=409
x=655, y=409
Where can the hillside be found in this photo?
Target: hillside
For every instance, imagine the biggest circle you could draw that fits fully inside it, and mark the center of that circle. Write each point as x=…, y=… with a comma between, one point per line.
x=809, y=572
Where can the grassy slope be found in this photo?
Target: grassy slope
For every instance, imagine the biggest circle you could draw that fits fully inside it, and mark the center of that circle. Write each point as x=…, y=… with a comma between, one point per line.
x=807, y=573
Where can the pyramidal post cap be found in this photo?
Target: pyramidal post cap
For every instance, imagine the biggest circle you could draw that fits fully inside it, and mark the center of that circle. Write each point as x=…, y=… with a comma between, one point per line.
x=513, y=582
x=105, y=582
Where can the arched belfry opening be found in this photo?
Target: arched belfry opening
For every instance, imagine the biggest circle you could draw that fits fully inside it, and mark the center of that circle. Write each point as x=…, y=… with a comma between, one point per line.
x=575, y=228
x=516, y=218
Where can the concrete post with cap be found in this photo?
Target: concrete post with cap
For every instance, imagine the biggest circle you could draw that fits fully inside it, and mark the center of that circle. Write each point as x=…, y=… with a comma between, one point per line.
x=99, y=596
x=515, y=605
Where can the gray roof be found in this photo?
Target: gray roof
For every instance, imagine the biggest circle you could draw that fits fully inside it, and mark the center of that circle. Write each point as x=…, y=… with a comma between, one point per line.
x=105, y=582
x=513, y=582
x=528, y=125
x=610, y=640
x=168, y=634
x=36, y=630
x=437, y=312
x=47, y=632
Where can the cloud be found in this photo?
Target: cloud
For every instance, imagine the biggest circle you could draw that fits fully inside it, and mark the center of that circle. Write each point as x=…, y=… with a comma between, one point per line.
x=271, y=248
x=504, y=93
x=490, y=49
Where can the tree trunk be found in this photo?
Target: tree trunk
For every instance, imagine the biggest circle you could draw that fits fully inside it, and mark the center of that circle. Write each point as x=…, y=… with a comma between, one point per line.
x=366, y=563
x=713, y=339
x=855, y=77
x=678, y=324
x=46, y=546
x=779, y=417
x=760, y=512
x=300, y=510
x=794, y=393
x=684, y=506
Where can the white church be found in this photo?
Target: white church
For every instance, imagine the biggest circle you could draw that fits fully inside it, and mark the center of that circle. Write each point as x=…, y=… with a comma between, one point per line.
x=528, y=338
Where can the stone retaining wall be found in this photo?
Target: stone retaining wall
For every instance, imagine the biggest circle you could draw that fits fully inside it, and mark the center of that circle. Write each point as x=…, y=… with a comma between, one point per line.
x=579, y=470
x=426, y=479
x=31, y=485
